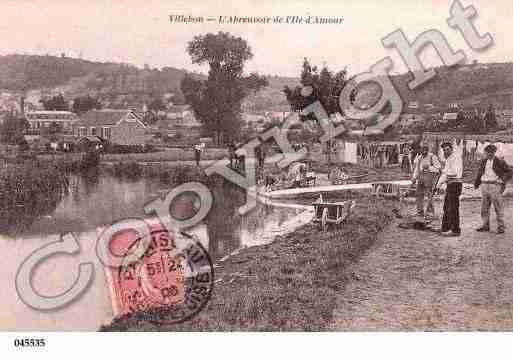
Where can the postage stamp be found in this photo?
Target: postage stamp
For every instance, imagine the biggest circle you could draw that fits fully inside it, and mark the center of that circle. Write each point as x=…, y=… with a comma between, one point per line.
x=166, y=285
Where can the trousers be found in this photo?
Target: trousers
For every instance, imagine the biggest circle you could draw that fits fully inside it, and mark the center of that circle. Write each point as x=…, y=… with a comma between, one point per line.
x=451, y=217
x=425, y=189
x=491, y=194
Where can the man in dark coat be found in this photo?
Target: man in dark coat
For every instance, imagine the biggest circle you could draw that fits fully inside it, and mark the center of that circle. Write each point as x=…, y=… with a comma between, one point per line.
x=492, y=176
x=231, y=153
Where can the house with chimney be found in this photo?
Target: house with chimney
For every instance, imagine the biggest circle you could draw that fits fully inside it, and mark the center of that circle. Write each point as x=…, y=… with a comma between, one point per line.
x=121, y=127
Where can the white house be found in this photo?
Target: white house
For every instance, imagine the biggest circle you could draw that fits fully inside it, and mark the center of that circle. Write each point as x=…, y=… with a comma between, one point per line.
x=40, y=119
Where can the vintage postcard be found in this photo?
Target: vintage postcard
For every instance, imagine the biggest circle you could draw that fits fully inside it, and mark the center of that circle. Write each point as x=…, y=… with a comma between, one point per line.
x=256, y=166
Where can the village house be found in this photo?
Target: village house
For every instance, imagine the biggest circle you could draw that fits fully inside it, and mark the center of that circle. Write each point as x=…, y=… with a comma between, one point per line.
x=449, y=117
x=504, y=118
x=429, y=107
x=507, y=115
x=178, y=120
x=44, y=119
x=454, y=106
x=410, y=120
x=182, y=114
x=121, y=127
x=413, y=105
x=276, y=115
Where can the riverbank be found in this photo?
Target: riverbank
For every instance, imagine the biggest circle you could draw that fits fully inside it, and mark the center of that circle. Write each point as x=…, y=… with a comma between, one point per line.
x=28, y=190
x=168, y=155
x=290, y=284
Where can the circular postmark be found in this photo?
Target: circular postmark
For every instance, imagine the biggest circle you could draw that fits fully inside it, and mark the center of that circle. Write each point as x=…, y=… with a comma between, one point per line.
x=169, y=284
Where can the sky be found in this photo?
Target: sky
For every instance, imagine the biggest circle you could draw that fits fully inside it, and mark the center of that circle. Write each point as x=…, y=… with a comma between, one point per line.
x=139, y=31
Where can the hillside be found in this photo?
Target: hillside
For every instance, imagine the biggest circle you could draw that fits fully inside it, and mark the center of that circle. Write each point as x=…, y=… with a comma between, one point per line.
x=473, y=85
x=120, y=85
x=468, y=84
x=117, y=85
x=272, y=97
x=26, y=72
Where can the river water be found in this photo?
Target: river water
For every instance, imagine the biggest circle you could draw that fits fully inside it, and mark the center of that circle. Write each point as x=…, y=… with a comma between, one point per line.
x=90, y=205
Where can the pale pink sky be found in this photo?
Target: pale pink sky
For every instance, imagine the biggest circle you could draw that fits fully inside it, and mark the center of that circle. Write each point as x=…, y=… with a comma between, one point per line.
x=139, y=32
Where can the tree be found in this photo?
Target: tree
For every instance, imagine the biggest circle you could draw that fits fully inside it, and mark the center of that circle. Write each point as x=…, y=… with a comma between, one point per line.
x=12, y=130
x=83, y=104
x=156, y=105
x=216, y=102
x=55, y=103
x=326, y=86
x=178, y=98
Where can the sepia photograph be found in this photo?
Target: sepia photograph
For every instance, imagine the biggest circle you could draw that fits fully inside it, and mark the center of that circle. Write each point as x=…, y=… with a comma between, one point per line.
x=257, y=166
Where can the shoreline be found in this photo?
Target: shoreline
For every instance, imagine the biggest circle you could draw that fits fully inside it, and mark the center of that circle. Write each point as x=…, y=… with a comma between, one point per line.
x=289, y=284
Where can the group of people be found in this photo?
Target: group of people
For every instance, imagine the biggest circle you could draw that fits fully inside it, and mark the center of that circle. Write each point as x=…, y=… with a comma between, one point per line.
x=237, y=161
x=406, y=158
x=431, y=173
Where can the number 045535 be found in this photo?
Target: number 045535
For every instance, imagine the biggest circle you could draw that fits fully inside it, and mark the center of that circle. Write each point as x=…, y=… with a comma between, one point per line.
x=29, y=342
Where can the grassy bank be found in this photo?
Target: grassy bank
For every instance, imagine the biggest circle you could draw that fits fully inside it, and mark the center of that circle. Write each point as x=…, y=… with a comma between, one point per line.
x=169, y=155
x=291, y=284
x=28, y=191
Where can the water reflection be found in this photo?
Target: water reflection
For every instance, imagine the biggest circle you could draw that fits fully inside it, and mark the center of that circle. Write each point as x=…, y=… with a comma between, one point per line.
x=95, y=200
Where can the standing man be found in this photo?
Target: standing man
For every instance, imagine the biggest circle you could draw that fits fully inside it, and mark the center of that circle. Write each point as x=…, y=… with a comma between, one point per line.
x=411, y=157
x=426, y=168
x=405, y=159
x=231, y=153
x=260, y=155
x=197, y=153
x=381, y=156
x=492, y=176
x=451, y=174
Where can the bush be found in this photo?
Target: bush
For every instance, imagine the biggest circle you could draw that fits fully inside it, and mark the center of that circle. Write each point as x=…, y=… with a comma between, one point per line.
x=182, y=174
x=29, y=191
x=90, y=159
x=128, y=170
x=121, y=149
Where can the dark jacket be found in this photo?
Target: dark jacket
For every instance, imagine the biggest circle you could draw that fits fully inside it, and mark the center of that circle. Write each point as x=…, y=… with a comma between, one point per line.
x=500, y=167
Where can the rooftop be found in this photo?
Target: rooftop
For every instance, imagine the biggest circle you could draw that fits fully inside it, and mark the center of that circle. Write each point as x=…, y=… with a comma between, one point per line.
x=105, y=117
x=179, y=108
x=51, y=112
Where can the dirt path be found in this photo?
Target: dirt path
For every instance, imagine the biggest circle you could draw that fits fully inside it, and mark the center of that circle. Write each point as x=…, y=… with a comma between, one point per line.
x=412, y=280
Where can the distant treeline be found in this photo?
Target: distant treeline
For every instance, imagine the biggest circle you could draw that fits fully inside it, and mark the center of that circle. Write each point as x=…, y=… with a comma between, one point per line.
x=115, y=84
x=26, y=72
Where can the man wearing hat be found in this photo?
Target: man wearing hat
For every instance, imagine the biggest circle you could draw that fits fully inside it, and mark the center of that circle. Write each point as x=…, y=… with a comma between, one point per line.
x=452, y=174
x=426, y=168
x=492, y=176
